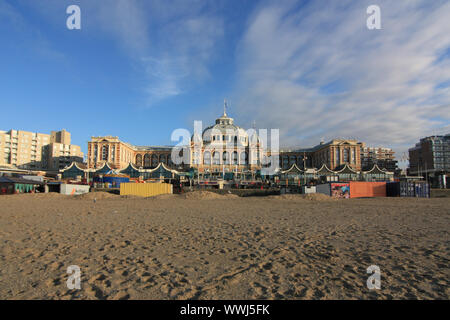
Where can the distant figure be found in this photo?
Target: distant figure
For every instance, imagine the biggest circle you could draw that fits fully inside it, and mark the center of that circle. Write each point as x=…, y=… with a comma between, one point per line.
x=95, y=200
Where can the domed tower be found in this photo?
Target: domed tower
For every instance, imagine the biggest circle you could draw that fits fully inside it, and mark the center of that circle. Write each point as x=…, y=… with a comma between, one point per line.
x=225, y=148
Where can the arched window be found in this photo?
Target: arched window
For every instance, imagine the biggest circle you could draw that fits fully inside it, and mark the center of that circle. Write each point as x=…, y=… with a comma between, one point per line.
x=244, y=158
x=139, y=160
x=154, y=160
x=105, y=150
x=216, y=158
x=292, y=160
x=235, y=157
x=162, y=158
x=207, y=158
x=226, y=157
x=147, y=160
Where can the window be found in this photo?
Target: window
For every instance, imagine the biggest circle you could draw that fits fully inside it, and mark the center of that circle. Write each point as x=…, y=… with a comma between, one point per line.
x=244, y=158
x=154, y=160
x=235, y=157
x=207, y=158
x=345, y=155
x=226, y=158
x=147, y=160
x=216, y=158
x=139, y=160
x=105, y=150
x=292, y=160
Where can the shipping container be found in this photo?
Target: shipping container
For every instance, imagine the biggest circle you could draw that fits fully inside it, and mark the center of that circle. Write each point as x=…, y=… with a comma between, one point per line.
x=334, y=189
x=422, y=190
x=145, y=189
x=365, y=189
x=73, y=189
x=393, y=189
x=419, y=189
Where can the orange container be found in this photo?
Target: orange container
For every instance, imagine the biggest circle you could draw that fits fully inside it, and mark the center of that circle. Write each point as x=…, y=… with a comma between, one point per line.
x=359, y=189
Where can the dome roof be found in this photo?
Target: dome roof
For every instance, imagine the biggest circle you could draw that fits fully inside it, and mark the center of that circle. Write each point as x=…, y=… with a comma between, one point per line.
x=224, y=125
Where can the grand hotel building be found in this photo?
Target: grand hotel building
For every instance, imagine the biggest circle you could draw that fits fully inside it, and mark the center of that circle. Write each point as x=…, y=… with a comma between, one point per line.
x=224, y=146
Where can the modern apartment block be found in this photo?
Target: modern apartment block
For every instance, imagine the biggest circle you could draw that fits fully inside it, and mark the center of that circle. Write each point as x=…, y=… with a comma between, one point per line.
x=431, y=158
x=37, y=151
x=382, y=157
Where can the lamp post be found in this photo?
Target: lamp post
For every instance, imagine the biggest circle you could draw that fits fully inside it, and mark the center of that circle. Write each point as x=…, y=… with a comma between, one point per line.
x=304, y=166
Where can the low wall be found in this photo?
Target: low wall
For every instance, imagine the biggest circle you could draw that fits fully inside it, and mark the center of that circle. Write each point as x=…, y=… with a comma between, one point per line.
x=440, y=193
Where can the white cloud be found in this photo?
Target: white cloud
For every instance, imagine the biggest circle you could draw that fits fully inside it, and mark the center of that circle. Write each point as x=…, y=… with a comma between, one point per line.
x=172, y=41
x=317, y=71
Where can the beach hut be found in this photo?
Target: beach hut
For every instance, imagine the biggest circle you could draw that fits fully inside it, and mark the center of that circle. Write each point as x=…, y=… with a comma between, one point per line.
x=131, y=171
x=74, y=170
x=377, y=174
x=293, y=175
x=347, y=173
x=11, y=185
x=161, y=172
x=324, y=174
x=103, y=169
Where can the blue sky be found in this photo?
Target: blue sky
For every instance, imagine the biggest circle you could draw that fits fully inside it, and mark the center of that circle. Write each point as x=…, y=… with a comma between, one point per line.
x=140, y=69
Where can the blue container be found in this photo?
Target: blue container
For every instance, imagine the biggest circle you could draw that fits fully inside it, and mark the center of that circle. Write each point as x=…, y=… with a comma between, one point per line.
x=422, y=190
x=418, y=189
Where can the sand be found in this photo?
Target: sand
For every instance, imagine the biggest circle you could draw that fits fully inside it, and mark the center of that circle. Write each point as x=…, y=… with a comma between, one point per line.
x=226, y=247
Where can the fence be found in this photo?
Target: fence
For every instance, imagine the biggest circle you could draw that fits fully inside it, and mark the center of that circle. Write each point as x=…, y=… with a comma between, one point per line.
x=145, y=189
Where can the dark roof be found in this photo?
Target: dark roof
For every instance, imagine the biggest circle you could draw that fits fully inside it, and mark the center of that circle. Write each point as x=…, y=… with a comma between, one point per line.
x=345, y=169
x=293, y=170
x=18, y=180
x=324, y=169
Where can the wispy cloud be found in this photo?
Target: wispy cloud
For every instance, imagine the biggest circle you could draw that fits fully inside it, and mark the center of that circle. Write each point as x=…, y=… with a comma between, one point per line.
x=316, y=71
x=173, y=41
x=169, y=43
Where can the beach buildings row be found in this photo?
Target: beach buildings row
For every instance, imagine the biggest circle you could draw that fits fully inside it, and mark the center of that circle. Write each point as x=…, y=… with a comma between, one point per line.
x=225, y=147
x=222, y=150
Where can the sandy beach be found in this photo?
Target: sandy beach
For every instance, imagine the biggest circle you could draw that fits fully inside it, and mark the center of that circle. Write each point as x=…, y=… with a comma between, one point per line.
x=202, y=246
